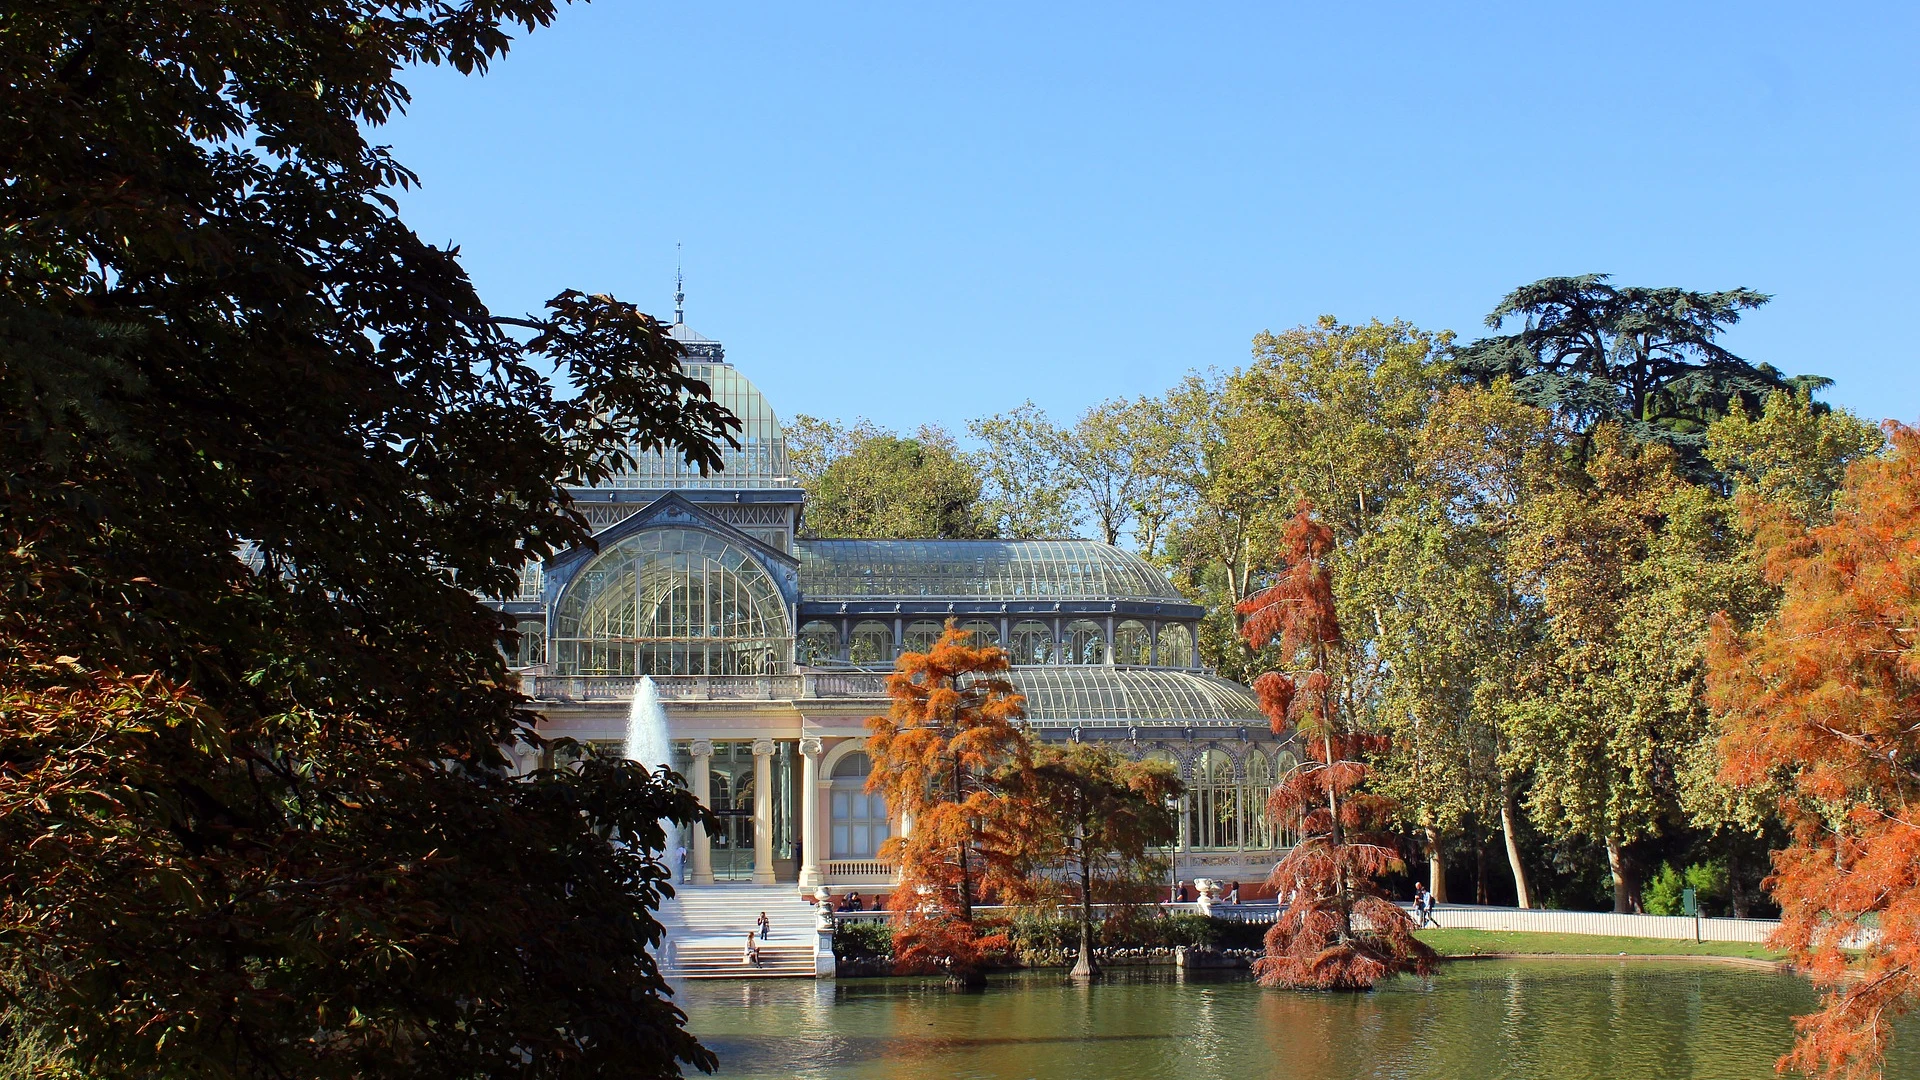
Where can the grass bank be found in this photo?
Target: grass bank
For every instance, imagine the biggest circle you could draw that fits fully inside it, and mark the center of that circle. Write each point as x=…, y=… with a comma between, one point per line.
x=1517, y=943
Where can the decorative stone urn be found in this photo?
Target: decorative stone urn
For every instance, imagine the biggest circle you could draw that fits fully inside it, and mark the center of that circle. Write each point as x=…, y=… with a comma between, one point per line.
x=1208, y=891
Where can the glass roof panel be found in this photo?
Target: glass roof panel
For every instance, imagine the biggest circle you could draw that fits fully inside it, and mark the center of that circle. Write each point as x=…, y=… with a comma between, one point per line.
x=759, y=462
x=977, y=570
x=1093, y=693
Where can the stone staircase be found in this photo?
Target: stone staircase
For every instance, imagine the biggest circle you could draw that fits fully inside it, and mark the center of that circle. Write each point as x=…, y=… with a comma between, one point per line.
x=707, y=932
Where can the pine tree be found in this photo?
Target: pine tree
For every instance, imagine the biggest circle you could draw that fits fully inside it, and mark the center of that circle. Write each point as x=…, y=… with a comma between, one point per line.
x=954, y=724
x=1338, y=931
x=1823, y=699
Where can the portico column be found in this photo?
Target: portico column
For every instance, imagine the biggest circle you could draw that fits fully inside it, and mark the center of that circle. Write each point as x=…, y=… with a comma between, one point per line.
x=703, y=792
x=809, y=813
x=763, y=811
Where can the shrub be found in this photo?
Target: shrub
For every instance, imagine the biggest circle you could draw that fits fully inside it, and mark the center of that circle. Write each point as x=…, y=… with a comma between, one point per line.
x=1662, y=895
x=863, y=941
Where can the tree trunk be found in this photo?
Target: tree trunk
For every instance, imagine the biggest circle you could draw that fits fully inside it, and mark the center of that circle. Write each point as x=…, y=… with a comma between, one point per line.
x=1625, y=897
x=966, y=874
x=1509, y=817
x=1083, y=965
x=1736, y=895
x=1436, y=866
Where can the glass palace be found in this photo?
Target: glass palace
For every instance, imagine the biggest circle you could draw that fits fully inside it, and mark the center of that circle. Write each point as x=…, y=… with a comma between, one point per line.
x=769, y=650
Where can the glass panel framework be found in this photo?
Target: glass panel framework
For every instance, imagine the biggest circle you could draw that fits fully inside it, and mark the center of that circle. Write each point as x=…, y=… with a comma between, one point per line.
x=671, y=602
x=1213, y=803
x=760, y=461
x=1096, y=694
x=977, y=569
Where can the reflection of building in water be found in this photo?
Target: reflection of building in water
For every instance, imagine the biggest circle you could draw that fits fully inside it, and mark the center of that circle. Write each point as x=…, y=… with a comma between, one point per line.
x=769, y=652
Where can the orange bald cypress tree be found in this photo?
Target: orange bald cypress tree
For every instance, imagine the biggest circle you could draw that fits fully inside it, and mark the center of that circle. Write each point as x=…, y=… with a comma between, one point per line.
x=1823, y=701
x=953, y=727
x=1338, y=931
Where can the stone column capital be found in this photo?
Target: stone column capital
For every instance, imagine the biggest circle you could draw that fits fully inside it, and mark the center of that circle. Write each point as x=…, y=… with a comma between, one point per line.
x=810, y=747
x=702, y=748
x=763, y=748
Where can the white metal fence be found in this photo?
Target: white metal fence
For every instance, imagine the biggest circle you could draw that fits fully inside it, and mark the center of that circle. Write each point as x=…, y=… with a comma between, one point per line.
x=1603, y=923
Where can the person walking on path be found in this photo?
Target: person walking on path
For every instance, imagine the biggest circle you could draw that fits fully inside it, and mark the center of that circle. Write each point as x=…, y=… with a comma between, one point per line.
x=766, y=927
x=1420, y=895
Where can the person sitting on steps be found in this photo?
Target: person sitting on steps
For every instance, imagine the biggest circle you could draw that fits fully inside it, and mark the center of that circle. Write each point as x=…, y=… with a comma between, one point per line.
x=752, y=955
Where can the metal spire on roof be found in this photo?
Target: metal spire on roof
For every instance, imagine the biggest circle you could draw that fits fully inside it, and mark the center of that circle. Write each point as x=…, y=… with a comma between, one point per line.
x=679, y=290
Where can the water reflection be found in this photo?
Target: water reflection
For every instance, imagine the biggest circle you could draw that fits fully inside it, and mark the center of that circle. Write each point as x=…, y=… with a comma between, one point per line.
x=1489, y=1019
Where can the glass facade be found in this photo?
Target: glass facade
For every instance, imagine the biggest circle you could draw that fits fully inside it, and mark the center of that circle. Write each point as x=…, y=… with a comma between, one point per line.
x=860, y=821
x=977, y=569
x=671, y=602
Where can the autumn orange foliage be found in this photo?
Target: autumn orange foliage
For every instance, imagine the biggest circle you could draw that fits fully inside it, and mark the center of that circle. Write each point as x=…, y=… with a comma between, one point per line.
x=1338, y=931
x=1823, y=701
x=953, y=724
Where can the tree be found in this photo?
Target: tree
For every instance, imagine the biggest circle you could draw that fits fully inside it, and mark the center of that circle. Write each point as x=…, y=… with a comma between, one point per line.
x=1822, y=700
x=887, y=487
x=263, y=447
x=952, y=729
x=1088, y=809
x=1026, y=493
x=1629, y=559
x=1457, y=619
x=1643, y=358
x=1337, y=932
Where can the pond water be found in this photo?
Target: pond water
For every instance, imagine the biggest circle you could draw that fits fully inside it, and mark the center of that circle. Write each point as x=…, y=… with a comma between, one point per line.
x=1484, y=1020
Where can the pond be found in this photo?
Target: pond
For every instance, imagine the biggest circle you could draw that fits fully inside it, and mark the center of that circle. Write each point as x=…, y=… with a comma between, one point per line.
x=1480, y=1020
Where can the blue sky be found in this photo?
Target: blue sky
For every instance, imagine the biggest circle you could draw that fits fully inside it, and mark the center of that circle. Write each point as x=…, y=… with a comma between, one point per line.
x=930, y=213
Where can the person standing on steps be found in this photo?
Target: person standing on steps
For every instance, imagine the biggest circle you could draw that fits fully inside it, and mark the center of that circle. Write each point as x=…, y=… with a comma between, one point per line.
x=766, y=928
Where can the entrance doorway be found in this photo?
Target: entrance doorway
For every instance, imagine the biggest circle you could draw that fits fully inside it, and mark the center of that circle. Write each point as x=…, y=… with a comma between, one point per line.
x=731, y=794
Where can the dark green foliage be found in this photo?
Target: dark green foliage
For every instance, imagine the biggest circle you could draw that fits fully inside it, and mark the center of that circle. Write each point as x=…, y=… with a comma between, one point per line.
x=1646, y=358
x=888, y=487
x=863, y=940
x=253, y=814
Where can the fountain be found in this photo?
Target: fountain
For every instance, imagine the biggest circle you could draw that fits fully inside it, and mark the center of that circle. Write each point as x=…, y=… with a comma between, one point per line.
x=648, y=744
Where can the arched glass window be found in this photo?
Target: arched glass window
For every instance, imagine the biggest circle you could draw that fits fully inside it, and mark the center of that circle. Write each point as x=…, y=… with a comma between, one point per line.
x=531, y=649
x=671, y=602
x=984, y=631
x=819, y=643
x=871, y=644
x=859, y=820
x=920, y=635
x=1032, y=642
x=1213, y=802
x=1176, y=646
x=1254, y=804
x=1086, y=643
x=1131, y=643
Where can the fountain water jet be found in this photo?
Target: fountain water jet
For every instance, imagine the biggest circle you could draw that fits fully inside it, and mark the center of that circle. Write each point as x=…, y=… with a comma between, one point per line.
x=649, y=745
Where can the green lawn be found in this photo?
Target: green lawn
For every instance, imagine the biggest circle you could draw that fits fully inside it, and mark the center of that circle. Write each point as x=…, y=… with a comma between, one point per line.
x=1474, y=942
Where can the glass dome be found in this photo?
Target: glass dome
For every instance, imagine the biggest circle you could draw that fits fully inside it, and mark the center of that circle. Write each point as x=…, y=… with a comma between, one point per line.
x=671, y=602
x=759, y=462
x=1097, y=695
x=977, y=570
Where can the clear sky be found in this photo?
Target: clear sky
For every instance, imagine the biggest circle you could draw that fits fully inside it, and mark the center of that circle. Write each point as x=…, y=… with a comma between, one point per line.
x=929, y=213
